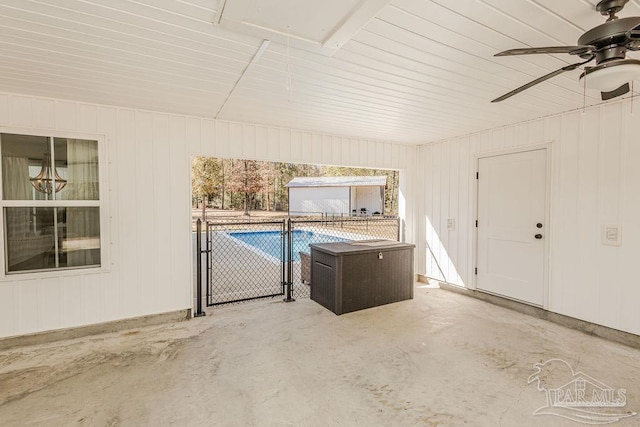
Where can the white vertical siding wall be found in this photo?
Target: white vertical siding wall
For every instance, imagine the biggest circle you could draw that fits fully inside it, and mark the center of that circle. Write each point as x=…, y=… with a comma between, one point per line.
x=317, y=200
x=149, y=156
x=596, y=181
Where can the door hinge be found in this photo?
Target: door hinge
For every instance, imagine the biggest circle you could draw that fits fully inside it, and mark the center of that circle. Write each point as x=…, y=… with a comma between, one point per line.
x=477, y=175
x=476, y=271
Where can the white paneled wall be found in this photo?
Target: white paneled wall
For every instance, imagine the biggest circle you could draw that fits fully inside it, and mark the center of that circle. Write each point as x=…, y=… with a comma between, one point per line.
x=595, y=181
x=149, y=198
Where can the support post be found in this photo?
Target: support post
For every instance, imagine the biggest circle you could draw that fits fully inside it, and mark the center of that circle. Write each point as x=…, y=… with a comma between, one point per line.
x=283, y=255
x=199, y=312
x=289, y=285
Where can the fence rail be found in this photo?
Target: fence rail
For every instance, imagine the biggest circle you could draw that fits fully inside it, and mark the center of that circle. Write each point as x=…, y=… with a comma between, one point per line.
x=247, y=260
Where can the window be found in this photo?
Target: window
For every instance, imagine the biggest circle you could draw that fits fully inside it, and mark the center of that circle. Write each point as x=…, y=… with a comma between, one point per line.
x=51, y=203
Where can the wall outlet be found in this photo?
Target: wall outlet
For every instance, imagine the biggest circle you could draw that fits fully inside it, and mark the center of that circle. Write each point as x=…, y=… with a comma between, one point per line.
x=451, y=224
x=611, y=235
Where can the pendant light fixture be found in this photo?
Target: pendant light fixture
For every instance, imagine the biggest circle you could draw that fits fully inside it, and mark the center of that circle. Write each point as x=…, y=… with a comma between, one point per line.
x=44, y=181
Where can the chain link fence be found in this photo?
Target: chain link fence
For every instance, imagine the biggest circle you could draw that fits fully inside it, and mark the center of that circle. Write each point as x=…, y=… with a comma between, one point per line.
x=306, y=231
x=247, y=260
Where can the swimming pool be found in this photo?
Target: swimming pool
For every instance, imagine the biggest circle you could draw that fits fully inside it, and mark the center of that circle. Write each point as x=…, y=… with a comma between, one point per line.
x=269, y=241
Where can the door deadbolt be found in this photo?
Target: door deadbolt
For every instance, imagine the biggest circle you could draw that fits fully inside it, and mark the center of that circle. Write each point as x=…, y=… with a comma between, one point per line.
x=539, y=225
x=538, y=236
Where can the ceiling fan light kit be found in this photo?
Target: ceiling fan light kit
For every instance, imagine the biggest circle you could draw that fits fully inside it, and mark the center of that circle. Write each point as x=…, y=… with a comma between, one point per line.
x=609, y=76
x=607, y=43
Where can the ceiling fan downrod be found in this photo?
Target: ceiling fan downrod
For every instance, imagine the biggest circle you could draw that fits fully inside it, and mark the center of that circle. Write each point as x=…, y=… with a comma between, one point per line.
x=611, y=7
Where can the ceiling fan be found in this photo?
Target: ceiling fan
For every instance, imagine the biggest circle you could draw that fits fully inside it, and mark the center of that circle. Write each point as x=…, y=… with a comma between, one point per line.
x=607, y=43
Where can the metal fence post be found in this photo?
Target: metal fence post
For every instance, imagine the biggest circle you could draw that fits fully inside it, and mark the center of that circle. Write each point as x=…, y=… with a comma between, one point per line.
x=199, y=312
x=288, y=296
x=283, y=256
x=209, y=251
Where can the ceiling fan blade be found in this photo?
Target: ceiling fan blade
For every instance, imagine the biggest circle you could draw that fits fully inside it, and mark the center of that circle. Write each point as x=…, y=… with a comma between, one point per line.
x=573, y=50
x=616, y=92
x=570, y=67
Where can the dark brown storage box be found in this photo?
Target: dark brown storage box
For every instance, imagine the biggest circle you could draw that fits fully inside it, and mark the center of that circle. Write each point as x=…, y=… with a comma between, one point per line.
x=350, y=276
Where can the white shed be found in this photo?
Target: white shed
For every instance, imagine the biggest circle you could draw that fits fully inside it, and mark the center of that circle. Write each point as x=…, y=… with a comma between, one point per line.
x=337, y=195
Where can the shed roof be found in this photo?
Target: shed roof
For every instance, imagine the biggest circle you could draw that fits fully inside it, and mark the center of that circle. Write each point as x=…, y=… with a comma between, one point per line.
x=338, y=181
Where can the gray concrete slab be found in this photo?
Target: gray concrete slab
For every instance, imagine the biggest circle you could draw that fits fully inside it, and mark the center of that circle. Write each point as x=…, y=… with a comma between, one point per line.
x=439, y=359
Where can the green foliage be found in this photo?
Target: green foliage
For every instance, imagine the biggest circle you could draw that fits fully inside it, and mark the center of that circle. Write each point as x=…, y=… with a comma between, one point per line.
x=205, y=175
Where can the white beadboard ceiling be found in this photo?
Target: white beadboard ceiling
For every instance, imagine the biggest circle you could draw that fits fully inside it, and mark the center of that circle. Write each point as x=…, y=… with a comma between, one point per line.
x=409, y=71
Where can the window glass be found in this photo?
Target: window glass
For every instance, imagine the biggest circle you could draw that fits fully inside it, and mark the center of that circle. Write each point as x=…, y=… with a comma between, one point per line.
x=51, y=195
x=80, y=236
x=49, y=238
x=22, y=159
x=78, y=159
x=30, y=238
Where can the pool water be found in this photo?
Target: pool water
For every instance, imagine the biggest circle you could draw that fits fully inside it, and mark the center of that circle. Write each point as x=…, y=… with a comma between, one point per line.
x=269, y=241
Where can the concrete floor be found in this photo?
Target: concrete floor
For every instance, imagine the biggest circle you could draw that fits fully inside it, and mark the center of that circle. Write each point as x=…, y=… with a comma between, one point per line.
x=440, y=359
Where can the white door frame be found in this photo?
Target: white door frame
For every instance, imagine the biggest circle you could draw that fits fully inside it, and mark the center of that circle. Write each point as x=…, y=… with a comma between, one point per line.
x=475, y=163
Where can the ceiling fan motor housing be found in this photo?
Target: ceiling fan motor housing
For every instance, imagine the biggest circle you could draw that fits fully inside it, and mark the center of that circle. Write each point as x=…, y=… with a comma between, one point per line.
x=610, y=38
x=609, y=53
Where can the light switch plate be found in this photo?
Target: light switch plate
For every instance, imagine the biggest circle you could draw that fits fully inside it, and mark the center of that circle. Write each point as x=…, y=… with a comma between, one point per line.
x=451, y=224
x=611, y=235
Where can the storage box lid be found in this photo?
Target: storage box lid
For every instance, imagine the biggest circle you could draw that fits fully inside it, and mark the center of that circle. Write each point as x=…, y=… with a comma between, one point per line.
x=364, y=246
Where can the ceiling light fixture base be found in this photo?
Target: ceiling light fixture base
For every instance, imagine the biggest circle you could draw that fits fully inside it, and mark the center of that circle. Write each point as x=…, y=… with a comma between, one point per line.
x=609, y=76
x=611, y=7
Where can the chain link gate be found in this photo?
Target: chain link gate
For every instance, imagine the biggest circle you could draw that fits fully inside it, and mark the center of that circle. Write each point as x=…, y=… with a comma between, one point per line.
x=251, y=260
x=245, y=261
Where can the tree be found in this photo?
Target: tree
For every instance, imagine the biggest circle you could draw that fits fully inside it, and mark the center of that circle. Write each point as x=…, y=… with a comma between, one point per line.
x=392, y=195
x=344, y=171
x=226, y=166
x=205, y=177
x=247, y=180
x=269, y=173
x=286, y=172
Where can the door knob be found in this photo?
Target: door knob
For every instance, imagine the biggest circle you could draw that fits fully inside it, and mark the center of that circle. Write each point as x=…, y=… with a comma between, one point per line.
x=539, y=225
x=538, y=236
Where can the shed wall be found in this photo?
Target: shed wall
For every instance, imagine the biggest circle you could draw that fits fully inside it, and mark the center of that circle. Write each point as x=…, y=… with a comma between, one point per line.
x=316, y=200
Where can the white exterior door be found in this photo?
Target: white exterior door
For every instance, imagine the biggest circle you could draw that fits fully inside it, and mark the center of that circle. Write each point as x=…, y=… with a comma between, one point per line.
x=511, y=225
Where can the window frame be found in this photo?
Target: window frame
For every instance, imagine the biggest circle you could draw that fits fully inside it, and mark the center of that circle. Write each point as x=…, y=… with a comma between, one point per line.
x=102, y=204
